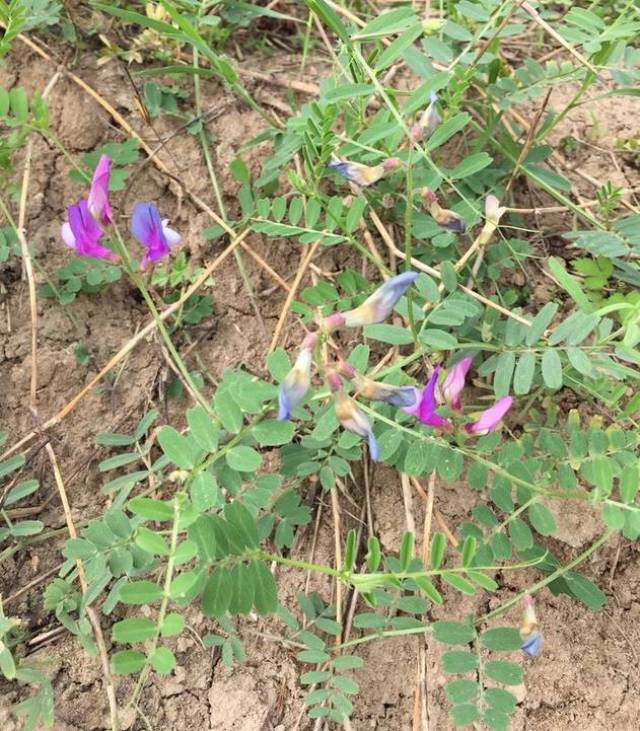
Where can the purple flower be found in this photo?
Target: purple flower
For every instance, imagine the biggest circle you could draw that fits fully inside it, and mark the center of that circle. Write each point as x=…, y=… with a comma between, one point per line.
x=489, y=419
x=98, y=202
x=152, y=232
x=424, y=408
x=83, y=234
x=454, y=382
x=297, y=382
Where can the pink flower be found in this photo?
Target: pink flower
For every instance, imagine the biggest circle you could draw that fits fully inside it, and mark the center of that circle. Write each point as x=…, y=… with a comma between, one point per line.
x=489, y=419
x=424, y=408
x=98, y=203
x=454, y=382
x=83, y=234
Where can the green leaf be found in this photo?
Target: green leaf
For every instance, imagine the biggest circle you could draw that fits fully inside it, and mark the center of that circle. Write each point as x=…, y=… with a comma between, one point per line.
x=501, y=639
x=243, y=524
x=114, y=440
x=463, y=715
x=216, y=596
x=585, y=590
x=613, y=517
x=540, y=323
x=228, y=411
x=449, y=276
x=461, y=691
x=504, y=370
x=125, y=662
x=398, y=47
x=470, y=165
x=313, y=656
x=140, y=592
x=182, y=451
x=203, y=429
x=21, y=490
x=136, y=629
x=520, y=534
x=524, y=372
x=118, y=460
x=329, y=18
x=453, y=633
x=569, y=284
x=501, y=700
x=272, y=433
x=438, y=548
x=242, y=590
x=458, y=661
x=162, y=660
x=151, y=542
x=542, y=519
x=243, y=459
x=451, y=127
x=388, y=23
x=205, y=492
x=347, y=662
x=552, y=369
x=391, y=334
x=11, y=465
x=345, y=684
x=203, y=532
x=429, y=589
x=266, y=592
x=374, y=555
x=507, y=673
x=438, y=339
x=151, y=509
x=457, y=582
x=469, y=548
x=173, y=625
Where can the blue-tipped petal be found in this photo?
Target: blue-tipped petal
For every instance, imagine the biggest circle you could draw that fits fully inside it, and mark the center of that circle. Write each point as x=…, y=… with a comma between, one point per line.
x=374, y=451
x=533, y=644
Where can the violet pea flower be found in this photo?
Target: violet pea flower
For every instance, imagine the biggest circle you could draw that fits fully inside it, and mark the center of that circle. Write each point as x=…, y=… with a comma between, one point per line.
x=98, y=202
x=454, y=382
x=531, y=636
x=363, y=175
x=350, y=416
x=443, y=216
x=489, y=419
x=83, y=234
x=375, y=308
x=424, y=408
x=298, y=381
x=375, y=391
x=428, y=120
x=152, y=232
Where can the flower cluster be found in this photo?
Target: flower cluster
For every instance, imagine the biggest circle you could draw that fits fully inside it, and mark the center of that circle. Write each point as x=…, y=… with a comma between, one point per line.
x=90, y=217
x=423, y=404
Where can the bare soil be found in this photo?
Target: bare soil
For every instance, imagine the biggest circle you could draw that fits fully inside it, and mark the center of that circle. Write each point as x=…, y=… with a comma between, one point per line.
x=587, y=677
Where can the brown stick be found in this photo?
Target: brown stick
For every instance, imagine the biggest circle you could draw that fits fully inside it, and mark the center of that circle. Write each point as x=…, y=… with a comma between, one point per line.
x=302, y=269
